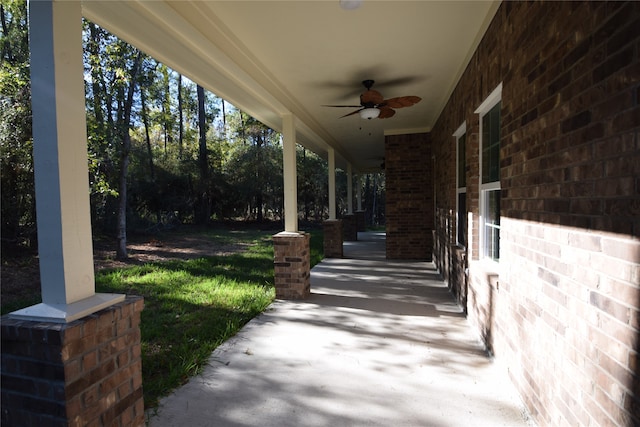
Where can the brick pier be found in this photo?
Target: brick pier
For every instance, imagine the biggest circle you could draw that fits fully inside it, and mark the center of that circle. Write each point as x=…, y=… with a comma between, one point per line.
x=86, y=372
x=292, y=265
x=333, y=238
x=350, y=227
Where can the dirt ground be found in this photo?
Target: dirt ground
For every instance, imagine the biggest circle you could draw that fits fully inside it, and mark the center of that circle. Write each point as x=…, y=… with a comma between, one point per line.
x=20, y=274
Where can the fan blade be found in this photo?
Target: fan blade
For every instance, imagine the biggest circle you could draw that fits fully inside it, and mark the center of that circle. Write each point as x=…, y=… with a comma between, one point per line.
x=351, y=113
x=342, y=106
x=386, y=112
x=371, y=97
x=401, y=101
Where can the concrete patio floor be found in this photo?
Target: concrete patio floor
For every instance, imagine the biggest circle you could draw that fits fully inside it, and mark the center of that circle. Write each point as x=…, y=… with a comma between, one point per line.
x=378, y=343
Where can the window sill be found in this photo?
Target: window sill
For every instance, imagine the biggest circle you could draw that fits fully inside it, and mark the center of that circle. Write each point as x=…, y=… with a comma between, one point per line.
x=488, y=269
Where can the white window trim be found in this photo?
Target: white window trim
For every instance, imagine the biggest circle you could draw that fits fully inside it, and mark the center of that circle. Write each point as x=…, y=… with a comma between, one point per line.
x=462, y=130
x=494, y=97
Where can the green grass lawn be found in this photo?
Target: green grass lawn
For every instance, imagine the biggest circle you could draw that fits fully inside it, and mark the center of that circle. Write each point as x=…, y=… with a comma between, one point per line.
x=192, y=306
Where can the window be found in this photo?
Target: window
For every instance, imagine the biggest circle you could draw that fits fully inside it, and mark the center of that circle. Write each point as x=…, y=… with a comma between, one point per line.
x=489, y=113
x=461, y=185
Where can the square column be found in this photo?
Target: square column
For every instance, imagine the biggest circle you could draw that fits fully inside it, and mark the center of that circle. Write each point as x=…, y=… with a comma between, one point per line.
x=289, y=173
x=292, y=264
x=60, y=166
x=331, y=156
x=360, y=221
x=333, y=238
x=350, y=227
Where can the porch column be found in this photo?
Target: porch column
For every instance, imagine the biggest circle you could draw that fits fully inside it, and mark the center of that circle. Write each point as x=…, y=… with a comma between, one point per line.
x=331, y=154
x=349, y=189
x=291, y=249
x=75, y=358
x=60, y=165
x=289, y=173
x=332, y=227
x=359, y=192
x=360, y=225
x=349, y=222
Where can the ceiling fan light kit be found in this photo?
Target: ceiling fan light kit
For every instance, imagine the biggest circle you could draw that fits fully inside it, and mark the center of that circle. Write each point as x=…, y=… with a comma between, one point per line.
x=350, y=4
x=369, y=113
x=373, y=105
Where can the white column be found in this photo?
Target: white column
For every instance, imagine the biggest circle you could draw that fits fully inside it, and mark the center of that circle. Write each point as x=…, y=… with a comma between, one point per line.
x=349, y=189
x=289, y=173
x=332, y=183
x=60, y=164
x=359, y=192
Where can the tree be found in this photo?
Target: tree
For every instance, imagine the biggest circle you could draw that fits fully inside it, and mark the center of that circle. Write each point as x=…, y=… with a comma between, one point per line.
x=121, y=250
x=203, y=212
x=16, y=140
x=180, y=118
x=255, y=168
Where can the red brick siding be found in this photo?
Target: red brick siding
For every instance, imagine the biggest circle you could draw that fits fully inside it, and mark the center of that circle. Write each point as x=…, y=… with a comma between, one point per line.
x=563, y=314
x=87, y=372
x=333, y=238
x=409, y=197
x=292, y=265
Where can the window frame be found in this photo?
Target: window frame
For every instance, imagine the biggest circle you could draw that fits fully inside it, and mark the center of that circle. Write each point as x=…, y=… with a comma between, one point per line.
x=460, y=133
x=485, y=188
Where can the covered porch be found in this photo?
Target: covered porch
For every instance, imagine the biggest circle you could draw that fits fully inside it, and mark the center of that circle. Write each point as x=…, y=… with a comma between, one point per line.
x=379, y=342
x=543, y=249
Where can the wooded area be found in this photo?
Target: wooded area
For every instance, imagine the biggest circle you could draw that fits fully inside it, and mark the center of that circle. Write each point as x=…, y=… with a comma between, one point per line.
x=162, y=151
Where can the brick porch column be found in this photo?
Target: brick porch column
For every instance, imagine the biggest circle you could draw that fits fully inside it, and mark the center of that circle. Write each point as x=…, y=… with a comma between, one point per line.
x=360, y=221
x=350, y=228
x=292, y=264
x=332, y=238
x=85, y=372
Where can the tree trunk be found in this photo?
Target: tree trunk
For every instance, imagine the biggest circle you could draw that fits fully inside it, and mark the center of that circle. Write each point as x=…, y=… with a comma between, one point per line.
x=224, y=120
x=6, y=47
x=203, y=209
x=145, y=121
x=96, y=76
x=259, y=177
x=242, y=127
x=121, y=249
x=180, y=117
x=166, y=111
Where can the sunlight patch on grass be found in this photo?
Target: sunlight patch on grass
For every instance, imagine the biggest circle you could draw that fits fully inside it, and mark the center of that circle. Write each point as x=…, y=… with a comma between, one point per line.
x=191, y=307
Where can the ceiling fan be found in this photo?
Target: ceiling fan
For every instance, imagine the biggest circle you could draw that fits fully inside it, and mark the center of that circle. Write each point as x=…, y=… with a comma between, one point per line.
x=373, y=104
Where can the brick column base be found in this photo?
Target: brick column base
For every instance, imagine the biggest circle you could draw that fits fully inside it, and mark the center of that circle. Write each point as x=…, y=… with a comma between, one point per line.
x=86, y=372
x=292, y=265
x=333, y=238
x=350, y=228
x=360, y=221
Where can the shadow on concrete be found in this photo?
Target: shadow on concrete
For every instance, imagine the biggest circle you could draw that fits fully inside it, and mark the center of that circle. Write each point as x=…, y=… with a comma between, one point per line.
x=378, y=343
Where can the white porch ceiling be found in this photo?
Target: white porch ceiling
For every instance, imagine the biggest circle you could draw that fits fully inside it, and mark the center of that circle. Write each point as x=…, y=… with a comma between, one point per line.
x=271, y=58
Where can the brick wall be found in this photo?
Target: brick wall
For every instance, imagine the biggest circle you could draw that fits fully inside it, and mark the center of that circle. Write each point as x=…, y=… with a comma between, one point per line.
x=561, y=312
x=84, y=373
x=409, y=197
